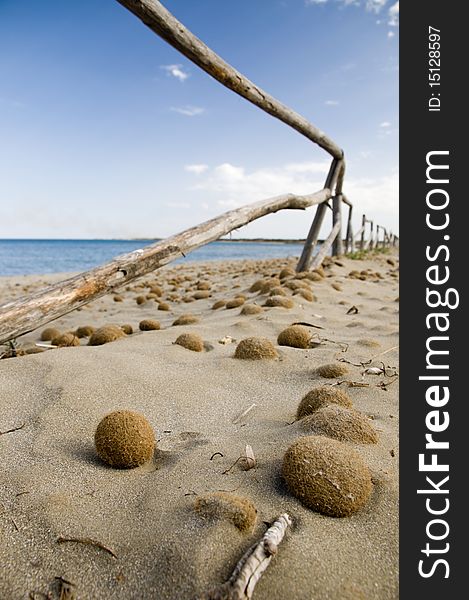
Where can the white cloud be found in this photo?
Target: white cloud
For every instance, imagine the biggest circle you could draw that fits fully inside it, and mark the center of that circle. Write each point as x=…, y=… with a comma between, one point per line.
x=394, y=15
x=196, y=169
x=375, y=5
x=370, y=5
x=188, y=110
x=332, y=103
x=307, y=2
x=391, y=34
x=176, y=71
x=385, y=124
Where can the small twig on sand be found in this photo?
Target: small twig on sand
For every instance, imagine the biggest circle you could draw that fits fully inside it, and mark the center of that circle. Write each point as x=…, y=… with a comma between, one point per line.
x=252, y=565
x=88, y=541
x=305, y=324
x=216, y=454
x=244, y=413
x=12, y=430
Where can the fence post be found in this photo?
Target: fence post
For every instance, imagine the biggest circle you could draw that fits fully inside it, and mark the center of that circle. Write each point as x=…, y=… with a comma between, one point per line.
x=362, y=239
x=349, y=234
x=337, y=245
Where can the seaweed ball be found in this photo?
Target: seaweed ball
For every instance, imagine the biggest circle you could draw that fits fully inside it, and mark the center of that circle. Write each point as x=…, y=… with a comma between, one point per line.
x=255, y=348
x=327, y=476
x=219, y=304
x=279, y=301
x=286, y=272
x=190, y=341
x=321, y=396
x=66, y=339
x=296, y=336
x=251, y=309
x=235, y=302
x=340, y=423
x=225, y=505
x=127, y=329
x=149, y=325
x=332, y=370
x=49, y=333
x=187, y=319
x=164, y=306
x=124, y=439
x=140, y=299
x=201, y=295
x=84, y=331
x=105, y=334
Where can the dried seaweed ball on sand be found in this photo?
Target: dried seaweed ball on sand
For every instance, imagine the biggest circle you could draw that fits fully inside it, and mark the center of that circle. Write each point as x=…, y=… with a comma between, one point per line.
x=49, y=333
x=255, y=348
x=279, y=301
x=140, y=299
x=164, y=306
x=84, y=331
x=219, y=304
x=327, y=476
x=149, y=325
x=127, y=329
x=186, y=320
x=321, y=396
x=296, y=336
x=235, y=302
x=224, y=505
x=251, y=309
x=191, y=341
x=124, y=439
x=105, y=334
x=340, y=423
x=66, y=339
x=332, y=370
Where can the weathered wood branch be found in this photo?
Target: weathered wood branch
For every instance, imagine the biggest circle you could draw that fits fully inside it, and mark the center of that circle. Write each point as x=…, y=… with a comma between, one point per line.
x=325, y=246
x=337, y=246
x=252, y=565
x=155, y=16
x=26, y=314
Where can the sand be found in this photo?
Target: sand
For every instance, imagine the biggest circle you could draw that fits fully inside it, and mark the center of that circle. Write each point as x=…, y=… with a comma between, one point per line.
x=53, y=485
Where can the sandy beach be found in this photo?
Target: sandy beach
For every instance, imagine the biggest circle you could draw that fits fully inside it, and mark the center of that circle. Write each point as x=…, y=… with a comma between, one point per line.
x=53, y=485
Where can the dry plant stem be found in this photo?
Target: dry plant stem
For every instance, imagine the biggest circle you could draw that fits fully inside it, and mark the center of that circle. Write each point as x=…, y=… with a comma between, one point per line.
x=87, y=541
x=244, y=413
x=12, y=430
x=155, y=16
x=252, y=565
x=29, y=313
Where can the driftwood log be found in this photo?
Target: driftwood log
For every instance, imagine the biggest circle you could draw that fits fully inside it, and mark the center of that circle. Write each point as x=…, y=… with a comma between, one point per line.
x=26, y=314
x=326, y=246
x=252, y=565
x=155, y=16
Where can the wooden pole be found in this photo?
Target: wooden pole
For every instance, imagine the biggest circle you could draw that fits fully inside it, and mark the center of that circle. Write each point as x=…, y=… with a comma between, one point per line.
x=369, y=245
x=362, y=239
x=337, y=246
x=155, y=16
x=325, y=246
x=313, y=234
x=29, y=313
x=349, y=234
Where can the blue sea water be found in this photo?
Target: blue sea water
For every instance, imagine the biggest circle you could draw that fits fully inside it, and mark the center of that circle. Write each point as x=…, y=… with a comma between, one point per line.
x=31, y=257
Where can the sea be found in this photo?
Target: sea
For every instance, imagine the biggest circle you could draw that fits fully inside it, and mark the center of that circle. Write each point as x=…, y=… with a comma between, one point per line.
x=37, y=257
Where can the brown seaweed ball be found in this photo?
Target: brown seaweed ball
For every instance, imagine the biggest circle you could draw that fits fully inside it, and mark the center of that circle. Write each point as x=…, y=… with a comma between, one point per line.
x=235, y=302
x=368, y=343
x=224, y=505
x=118, y=298
x=313, y=276
x=149, y=325
x=327, y=476
x=127, y=329
x=286, y=272
x=306, y=294
x=164, y=306
x=219, y=304
x=256, y=286
x=65, y=340
x=277, y=291
x=49, y=333
x=84, y=331
x=332, y=370
x=186, y=320
x=340, y=423
x=140, y=300
x=191, y=341
x=124, y=439
x=336, y=286
x=251, y=309
x=322, y=396
x=203, y=285
x=279, y=301
x=201, y=295
x=296, y=336
x=105, y=334
x=155, y=289
x=255, y=348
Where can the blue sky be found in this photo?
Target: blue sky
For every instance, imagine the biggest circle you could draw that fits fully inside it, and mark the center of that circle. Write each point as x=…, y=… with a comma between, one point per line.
x=107, y=131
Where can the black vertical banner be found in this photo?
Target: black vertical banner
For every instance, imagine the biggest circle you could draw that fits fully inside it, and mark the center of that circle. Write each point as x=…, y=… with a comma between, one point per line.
x=434, y=330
